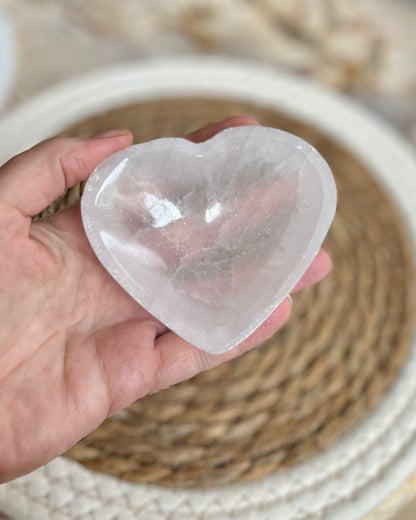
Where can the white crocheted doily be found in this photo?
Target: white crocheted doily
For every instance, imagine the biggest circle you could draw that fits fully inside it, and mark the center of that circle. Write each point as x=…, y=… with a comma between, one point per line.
x=344, y=482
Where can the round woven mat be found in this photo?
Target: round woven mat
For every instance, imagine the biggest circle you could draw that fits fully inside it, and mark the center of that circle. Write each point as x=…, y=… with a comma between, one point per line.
x=303, y=389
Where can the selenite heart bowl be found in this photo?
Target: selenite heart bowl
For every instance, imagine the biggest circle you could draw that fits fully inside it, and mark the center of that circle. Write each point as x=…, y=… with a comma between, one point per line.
x=210, y=237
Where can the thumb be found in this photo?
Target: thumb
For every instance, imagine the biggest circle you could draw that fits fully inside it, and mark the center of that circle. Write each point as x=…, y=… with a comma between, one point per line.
x=32, y=180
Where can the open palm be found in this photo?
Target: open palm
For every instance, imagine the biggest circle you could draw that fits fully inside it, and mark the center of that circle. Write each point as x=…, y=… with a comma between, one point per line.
x=74, y=346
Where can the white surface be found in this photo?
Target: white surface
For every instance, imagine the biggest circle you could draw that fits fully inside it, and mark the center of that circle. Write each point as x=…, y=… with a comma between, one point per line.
x=6, y=58
x=344, y=482
x=210, y=237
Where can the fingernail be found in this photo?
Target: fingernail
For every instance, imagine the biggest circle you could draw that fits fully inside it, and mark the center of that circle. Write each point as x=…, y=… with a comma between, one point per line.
x=111, y=133
x=290, y=299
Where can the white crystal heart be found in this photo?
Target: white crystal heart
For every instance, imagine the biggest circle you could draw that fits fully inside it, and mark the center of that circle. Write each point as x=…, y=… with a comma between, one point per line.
x=210, y=237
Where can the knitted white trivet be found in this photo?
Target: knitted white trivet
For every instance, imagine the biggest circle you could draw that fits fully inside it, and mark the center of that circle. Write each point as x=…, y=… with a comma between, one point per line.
x=344, y=482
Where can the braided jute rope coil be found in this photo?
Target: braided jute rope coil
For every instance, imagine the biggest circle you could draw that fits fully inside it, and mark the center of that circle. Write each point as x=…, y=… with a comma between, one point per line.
x=303, y=389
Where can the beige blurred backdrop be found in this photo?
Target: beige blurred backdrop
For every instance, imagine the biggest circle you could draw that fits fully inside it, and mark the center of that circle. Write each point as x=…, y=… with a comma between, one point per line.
x=365, y=48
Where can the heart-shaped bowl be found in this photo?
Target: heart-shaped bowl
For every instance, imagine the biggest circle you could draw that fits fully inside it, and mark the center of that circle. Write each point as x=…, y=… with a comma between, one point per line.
x=358, y=471
x=210, y=237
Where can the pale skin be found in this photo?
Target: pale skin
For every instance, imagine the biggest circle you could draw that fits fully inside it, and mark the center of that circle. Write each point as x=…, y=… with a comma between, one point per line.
x=74, y=346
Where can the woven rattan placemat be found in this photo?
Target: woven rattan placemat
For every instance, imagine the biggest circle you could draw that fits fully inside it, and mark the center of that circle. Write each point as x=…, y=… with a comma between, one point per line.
x=300, y=391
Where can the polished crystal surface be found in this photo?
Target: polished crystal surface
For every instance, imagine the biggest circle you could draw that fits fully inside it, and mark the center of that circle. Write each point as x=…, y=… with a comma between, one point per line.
x=210, y=237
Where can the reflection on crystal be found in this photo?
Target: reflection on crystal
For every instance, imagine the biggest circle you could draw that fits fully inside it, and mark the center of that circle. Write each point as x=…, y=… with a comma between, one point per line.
x=210, y=237
x=213, y=212
x=111, y=179
x=163, y=211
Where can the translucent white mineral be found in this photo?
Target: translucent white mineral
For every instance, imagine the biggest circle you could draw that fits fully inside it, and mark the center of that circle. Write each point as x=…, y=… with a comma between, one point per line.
x=210, y=237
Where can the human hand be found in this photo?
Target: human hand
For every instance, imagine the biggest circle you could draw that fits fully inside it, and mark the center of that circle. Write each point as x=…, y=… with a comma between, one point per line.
x=74, y=346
